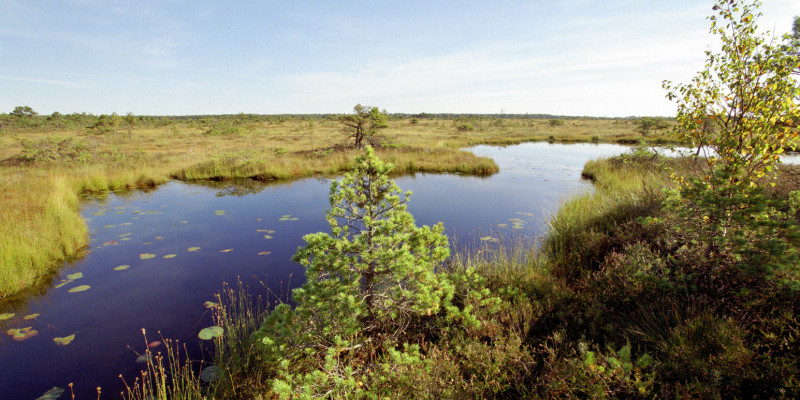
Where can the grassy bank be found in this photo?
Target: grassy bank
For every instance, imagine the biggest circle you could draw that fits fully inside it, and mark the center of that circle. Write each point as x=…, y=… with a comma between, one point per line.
x=617, y=302
x=46, y=166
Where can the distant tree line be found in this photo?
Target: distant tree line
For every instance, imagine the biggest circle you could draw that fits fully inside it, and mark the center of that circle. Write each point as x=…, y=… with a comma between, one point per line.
x=25, y=118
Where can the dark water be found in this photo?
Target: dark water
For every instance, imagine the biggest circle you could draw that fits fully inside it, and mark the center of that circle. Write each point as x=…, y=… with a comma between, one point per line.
x=228, y=223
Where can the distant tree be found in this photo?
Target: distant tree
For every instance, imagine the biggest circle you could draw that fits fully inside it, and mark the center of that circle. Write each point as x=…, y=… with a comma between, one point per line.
x=363, y=123
x=56, y=120
x=130, y=121
x=794, y=39
x=649, y=125
x=24, y=112
x=555, y=122
x=114, y=121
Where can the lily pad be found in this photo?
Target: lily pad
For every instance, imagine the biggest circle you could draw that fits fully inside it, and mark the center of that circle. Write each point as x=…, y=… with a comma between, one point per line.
x=110, y=243
x=143, y=359
x=184, y=222
x=77, y=275
x=126, y=238
x=109, y=226
x=170, y=256
x=22, y=334
x=210, y=304
x=210, y=332
x=31, y=316
x=159, y=237
x=81, y=288
x=265, y=230
x=267, y=237
x=126, y=224
x=146, y=256
x=287, y=217
x=64, y=282
x=219, y=212
x=193, y=249
x=63, y=341
x=121, y=267
x=226, y=251
x=488, y=239
x=525, y=213
x=5, y=316
x=210, y=374
x=124, y=235
x=265, y=253
x=52, y=394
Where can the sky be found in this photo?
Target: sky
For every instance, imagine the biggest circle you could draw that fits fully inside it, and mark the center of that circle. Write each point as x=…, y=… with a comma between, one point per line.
x=604, y=58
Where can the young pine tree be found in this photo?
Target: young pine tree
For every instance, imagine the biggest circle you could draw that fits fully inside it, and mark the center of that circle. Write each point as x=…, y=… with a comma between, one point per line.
x=375, y=272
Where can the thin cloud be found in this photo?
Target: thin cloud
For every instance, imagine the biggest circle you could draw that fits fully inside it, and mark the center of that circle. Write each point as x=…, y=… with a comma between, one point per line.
x=47, y=81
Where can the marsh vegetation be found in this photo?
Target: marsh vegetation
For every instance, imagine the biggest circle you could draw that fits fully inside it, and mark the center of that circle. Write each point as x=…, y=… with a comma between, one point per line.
x=49, y=161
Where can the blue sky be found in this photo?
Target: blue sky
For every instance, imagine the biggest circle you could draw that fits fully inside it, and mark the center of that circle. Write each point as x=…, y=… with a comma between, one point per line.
x=182, y=57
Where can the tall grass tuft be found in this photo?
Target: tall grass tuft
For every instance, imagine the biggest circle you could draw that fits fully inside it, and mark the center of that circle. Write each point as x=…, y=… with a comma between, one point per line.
x=172, y=375
x=579, y=232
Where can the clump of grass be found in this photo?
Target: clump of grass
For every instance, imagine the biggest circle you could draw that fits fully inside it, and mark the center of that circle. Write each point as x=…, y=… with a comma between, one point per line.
x=232, y=372
x=165, y=375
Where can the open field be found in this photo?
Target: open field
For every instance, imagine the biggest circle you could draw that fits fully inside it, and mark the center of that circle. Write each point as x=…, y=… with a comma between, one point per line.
x=46, y=165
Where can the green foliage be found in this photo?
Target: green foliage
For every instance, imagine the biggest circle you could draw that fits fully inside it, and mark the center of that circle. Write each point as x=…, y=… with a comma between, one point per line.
x=376, y=267
x=741, y=114
x=24, y=112
x=105, y=124
x=51, y=149
x=647, y=125
x=363, y=124
x=601, y=375
x=739, y=111
x=224, y=127
x=555, y=122
x=465, y=127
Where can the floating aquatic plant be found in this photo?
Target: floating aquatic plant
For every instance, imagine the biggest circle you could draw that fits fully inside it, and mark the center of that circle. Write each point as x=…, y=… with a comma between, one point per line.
x=219, y=212
x=63, y=282
x=210, y=332
x=81, y=288
x=121, y=267
x=5, y=316
x=31, y=316
x=170, y=256
x=146, y=256
x=77, y=275
x=226, y=251
x=52, y=394
x=288, y=217
x=210, y=374
x=489, y=239
x=110, y=243
x=210, y=304
x=22, y=333
x=63, y=341
x=264, y=253
x=267, y=237
x=193, y=249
